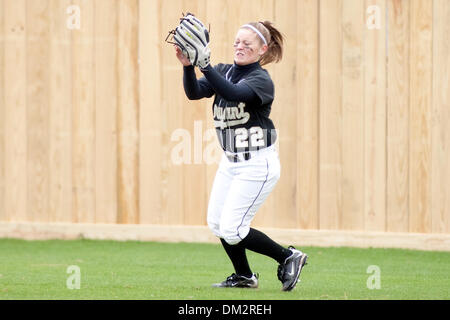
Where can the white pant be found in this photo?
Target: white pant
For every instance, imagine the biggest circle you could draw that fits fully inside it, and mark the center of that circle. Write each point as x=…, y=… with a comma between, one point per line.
x=239, y=189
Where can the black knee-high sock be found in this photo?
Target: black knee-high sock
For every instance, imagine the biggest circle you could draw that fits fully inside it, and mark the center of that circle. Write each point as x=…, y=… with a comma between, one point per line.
x=261, y=243
x=238, y=258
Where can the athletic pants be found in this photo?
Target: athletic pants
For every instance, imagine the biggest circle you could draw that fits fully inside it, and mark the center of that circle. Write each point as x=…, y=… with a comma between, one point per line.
x=239, y=189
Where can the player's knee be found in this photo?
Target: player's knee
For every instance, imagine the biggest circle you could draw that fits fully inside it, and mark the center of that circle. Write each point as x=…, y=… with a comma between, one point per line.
x=232, y=240
x=214, y=227
x=230, y=235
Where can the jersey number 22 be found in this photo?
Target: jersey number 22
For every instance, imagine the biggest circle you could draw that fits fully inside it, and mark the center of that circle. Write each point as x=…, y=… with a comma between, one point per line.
x=255, y=134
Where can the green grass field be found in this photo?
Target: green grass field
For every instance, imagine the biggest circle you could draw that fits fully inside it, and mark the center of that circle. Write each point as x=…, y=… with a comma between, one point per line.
x=169, y=271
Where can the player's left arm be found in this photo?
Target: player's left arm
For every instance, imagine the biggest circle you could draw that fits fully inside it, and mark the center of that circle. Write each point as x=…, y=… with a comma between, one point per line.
x=228, y=90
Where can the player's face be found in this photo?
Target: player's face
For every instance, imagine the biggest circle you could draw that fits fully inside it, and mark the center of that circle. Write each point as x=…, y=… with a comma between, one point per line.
x=247, y=47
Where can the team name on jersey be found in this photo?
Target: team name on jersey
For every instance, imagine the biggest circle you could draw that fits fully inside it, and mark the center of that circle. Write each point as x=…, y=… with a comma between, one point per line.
x=230, y=116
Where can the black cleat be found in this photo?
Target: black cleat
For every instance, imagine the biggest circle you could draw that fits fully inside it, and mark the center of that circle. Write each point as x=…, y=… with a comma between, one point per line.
x=236, y=281
x=289, y=272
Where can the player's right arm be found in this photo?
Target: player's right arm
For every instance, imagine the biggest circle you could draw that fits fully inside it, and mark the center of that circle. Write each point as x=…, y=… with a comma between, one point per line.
x=194, y=89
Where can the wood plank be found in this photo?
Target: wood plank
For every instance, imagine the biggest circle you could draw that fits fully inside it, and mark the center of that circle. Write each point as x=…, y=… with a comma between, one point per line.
x=308, y=114
x=15, y=125
x=375, y=123
x=38, y=91
x=193, y=120
x=420, y=112
x=440, y=119
x=284, y=116
x=2, y=113
x=352, y=214
x=60, y=114
x=128, y=112
x=83, y=116
x=150, y=112
x=397, y=204
x=172, y=101
x=222, y=33
x=106, y=78
x=330, y=115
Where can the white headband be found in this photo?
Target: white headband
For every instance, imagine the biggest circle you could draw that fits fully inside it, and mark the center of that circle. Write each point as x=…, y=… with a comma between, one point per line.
x=257, y=32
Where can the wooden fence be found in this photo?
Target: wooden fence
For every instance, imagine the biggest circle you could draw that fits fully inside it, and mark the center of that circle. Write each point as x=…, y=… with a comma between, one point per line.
x=93, y=117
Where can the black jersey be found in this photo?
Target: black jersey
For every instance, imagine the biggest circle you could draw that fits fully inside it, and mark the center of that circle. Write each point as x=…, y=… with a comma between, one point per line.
x=244, y=126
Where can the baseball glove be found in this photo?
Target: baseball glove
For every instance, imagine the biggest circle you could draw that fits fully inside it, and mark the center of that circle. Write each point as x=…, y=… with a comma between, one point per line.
x=192, y=37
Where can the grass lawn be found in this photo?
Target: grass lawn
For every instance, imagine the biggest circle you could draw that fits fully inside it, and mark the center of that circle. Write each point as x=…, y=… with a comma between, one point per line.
x=169, y=271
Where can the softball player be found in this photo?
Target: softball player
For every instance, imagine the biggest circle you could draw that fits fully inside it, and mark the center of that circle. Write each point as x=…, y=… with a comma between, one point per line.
x=250, y=167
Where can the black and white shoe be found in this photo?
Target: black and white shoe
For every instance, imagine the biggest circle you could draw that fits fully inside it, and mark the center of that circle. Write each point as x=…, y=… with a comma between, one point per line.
x=237, y=281
x=289, y=271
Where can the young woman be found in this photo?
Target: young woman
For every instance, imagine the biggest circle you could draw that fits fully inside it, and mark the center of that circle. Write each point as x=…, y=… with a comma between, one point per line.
x=250, y=167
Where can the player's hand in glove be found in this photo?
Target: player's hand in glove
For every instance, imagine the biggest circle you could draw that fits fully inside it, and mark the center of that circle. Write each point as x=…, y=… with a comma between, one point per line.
x=182, y=57
x=192, y=38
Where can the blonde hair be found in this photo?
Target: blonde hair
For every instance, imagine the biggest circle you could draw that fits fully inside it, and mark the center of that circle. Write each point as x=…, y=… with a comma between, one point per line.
x=274, y=40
